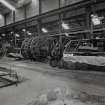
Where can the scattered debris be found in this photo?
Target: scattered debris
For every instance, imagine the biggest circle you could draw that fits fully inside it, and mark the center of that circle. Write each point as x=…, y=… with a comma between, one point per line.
x=65, y=97
x=9, y=77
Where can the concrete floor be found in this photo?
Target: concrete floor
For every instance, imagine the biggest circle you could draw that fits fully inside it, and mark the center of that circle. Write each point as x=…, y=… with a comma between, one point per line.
x=84, y=88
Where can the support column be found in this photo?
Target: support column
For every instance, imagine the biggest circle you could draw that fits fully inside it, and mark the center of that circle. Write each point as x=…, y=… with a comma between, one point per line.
x=39, y=27
x=25, y=12
x=39, y=20
x=5, y=20
x=13, y=16
x=60, y=28
x=60, y=19
x=5, y=23
x=40, y=7
x=15, y=39
x=88, y=20
x=25, y=17
x=59, y=3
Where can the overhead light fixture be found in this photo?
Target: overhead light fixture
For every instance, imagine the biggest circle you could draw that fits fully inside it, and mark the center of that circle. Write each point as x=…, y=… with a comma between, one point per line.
x=65, y=26
x=8, y=5
x=12, y=32
x=97, y=37
x=24, y=30
x=3, y=35
x=29, y=33
x=17, y=35
x=96, y=20
x=44, y=30
x=66, y=34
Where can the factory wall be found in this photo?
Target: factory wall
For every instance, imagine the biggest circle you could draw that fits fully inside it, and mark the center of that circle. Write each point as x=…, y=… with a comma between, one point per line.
x=9, y=18
x=19, y=14
x=48, y=5
x=33, y=9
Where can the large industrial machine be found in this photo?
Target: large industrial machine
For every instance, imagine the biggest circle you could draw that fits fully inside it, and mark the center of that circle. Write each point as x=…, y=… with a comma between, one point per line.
x=38, y=48
x=42, y=48
x=85, y=54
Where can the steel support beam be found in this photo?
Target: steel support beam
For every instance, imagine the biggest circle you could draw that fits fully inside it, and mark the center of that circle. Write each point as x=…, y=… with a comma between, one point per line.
x=38, y=20
x=39, y=27
x=14, y=15
x=88, y=20
x=40, y=7
x=25, y=18
x=5, y=20
x=15, y=39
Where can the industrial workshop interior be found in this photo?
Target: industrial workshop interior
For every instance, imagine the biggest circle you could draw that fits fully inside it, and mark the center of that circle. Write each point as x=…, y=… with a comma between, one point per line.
x=52, y=52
